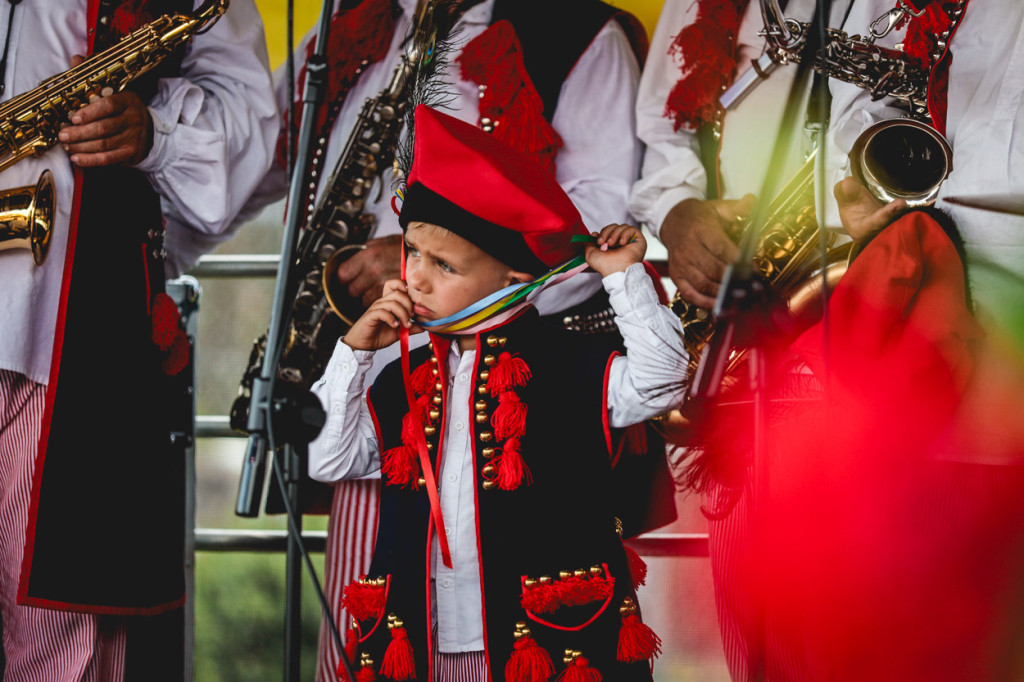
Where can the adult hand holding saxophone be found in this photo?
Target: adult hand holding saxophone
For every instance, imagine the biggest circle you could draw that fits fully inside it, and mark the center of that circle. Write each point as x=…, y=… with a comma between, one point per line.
x=113, y=129
x=696, y=234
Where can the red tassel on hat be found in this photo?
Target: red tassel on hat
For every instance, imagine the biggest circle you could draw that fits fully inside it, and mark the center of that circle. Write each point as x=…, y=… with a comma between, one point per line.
x=637, y=642
x=400, y=465
x=579, y=670
x=507, y=373
x=399, y=662
x=509, y=418
x=512, y=470
x=529, y=661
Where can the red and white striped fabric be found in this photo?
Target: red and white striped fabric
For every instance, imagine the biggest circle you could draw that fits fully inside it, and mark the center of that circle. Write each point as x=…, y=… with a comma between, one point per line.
x=467, y=667
x=351, y=532
x=40, y=644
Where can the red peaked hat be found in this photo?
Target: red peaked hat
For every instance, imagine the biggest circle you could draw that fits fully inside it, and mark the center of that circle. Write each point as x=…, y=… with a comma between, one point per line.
x=488, y=193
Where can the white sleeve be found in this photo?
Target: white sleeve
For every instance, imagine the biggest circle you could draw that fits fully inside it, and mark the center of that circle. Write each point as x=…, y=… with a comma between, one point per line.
x=672, y=170
x=650, y=379
x=214, y=131
x=595, y=118
x=347, y=445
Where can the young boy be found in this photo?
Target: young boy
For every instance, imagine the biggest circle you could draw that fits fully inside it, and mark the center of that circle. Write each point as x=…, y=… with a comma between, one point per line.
x=510, y=565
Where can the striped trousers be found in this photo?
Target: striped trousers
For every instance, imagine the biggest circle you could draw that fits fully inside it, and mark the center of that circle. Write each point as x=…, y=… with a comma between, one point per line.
x=41, y=645
x=351, y=531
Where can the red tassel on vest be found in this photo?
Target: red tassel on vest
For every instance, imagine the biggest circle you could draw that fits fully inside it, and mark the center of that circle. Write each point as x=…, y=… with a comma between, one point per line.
x=399, y=663
x=529, y=662
x=507, y=373
x=579, y=669
x=637, y=642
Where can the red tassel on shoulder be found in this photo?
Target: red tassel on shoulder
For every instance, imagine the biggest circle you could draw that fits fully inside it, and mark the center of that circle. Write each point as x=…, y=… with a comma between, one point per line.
x=507, y=373
x=400, y=465
x=509, y=418
x=578, y=669
x=366, y=675
x=399, y=663
x=637, y=642
x=529, y=661
x=512, y=470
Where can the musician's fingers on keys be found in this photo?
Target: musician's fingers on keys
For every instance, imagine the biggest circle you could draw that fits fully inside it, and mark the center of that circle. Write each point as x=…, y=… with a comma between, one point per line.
x=116, y=128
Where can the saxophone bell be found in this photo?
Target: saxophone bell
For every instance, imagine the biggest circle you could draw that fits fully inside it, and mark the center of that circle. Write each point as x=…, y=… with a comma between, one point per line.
x=902, y=159
x=26, y=217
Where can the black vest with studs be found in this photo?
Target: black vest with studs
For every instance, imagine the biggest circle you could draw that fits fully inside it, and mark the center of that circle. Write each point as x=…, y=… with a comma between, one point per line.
x=563, y=520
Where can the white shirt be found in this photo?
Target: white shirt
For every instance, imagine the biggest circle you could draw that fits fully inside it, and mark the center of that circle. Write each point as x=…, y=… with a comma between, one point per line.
x=214, y=134
x=347, y=445
x=595, y=118
x=985, y=128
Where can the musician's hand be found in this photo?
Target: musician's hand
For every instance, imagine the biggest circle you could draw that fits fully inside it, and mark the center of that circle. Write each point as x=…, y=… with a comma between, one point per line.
x=699, y=249
x=617, y=247
x=366, y=272
x=860, y=212
x=116, y=129
x=381, y=325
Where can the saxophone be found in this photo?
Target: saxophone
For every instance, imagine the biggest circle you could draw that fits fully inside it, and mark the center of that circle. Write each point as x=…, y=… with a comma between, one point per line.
x=899, y=158
x=29, y=123
x=338, y=225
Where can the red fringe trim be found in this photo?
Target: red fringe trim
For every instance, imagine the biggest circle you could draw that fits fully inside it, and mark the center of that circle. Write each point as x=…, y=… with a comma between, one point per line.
x=637, y=642
x=528, y=662
x=363, y=32
x=572, y=591
x=707, y=51
x=494, y=59
x=507, y=373
x=399, y=663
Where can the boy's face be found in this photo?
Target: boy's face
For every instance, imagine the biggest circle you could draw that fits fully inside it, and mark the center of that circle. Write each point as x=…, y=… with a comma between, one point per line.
x=446, y=273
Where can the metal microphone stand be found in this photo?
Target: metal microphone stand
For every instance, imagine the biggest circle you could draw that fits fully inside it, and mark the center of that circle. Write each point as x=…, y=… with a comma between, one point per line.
x=287, y=420
x=745, y=315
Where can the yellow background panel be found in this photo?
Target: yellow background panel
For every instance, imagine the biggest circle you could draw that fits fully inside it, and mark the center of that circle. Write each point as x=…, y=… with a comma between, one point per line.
x=307, y=12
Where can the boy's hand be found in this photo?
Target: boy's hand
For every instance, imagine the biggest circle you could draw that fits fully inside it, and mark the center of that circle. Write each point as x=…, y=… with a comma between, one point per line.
x=617, y=247
x=381, y=325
